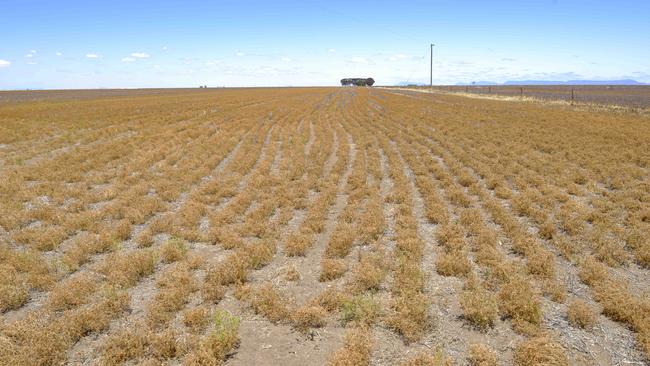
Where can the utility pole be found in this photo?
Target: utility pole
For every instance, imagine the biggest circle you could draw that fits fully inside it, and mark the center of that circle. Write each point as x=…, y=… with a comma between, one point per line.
x=431, y=69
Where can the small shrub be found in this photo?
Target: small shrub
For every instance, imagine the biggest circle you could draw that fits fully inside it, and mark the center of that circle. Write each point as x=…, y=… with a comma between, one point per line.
x=540, y=351
x=356, y=351
x=71, y=292
x=541, y=263
x=410, y=318
x=547, y=230
x=572, y=225
x=471, y=218
x=453, y=264
x=458, y=197
x=195, y=260
x=13, y=292
x=233, y=270
x=226, y=237
x=555, y=290
x=196, y=319
x=479, y=307
x=297, y=244
x=331, y=299
x=125, y=269
x=426, y=359
x=465, y=178
x=309, y=316
x=567, y=248
x=610, y=251
x=212, y=291
x=518, y=301
x=524, y=244
x=580, y=314
x=221, y=339
x=225, y=328
x=482, y=355
x=260, y=254
x=173, y=250
x=175, y=285
x=437, y=213
x=369, y=272
x=447, y=233
x=502, y=192
x=592, y=271
x=122, y=230
x=292, y=274
x=144, y=238
x=332, y=269
x=163, y=345
x=79, y=253
x=266, y=301
x=341, y=241
x=638, y=240
x=127, y=344
x=362, y=308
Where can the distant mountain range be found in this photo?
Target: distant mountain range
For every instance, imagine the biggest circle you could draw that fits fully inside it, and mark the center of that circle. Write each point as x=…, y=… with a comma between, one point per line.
x=410, y=83
x=543, y=82
x=553, y=82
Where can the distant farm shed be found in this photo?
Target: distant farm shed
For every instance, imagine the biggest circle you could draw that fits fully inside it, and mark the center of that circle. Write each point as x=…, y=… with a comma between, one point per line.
x=357, y=81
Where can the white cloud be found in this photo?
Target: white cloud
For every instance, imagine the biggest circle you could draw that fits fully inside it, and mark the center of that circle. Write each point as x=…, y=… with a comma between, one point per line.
x=4, y=63
x=240, y=54
x=92, y=55
x=359, y=60
x=212, y=63
x=31, y=62
x=286, y=59
x=59, y=54
x=128, y=59
x=331, y=50
x=140, y=55
x=164, y=48
x=29, y=55
x=399, y=56
x=32, y=51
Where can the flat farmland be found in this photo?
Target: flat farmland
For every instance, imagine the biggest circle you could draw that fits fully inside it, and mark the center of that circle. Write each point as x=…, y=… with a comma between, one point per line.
x=340, y=226
x=616, y=96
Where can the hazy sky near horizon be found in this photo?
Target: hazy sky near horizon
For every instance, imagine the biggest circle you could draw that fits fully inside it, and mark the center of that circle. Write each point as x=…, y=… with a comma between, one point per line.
x=93, y=44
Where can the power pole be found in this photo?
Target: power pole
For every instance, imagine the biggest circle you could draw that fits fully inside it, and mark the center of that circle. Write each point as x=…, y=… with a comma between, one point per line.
x=431, y=69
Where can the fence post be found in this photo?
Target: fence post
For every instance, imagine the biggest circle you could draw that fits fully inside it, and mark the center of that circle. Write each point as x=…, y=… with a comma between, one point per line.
x=466, y=88
x=489, y=90
x=572, y=95
x=521, y=92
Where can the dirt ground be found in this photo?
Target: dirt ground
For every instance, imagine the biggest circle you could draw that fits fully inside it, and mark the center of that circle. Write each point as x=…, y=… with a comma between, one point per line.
x=310, y=226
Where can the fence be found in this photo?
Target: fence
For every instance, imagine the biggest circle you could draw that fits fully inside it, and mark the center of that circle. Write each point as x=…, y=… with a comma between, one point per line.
x=624, y=95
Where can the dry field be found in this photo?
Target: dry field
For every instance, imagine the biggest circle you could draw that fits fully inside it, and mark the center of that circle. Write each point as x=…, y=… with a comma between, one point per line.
x=621, y=96
x=334, y=226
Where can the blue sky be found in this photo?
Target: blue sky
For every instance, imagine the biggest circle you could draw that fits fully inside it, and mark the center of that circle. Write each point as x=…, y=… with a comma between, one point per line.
x=93, y=44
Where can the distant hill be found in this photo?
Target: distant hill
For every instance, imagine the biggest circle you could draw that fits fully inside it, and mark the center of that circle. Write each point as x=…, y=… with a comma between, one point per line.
x=486, y=83
x=575, y=82
x=410, y=83
x=539, y=82
x=553, y=82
